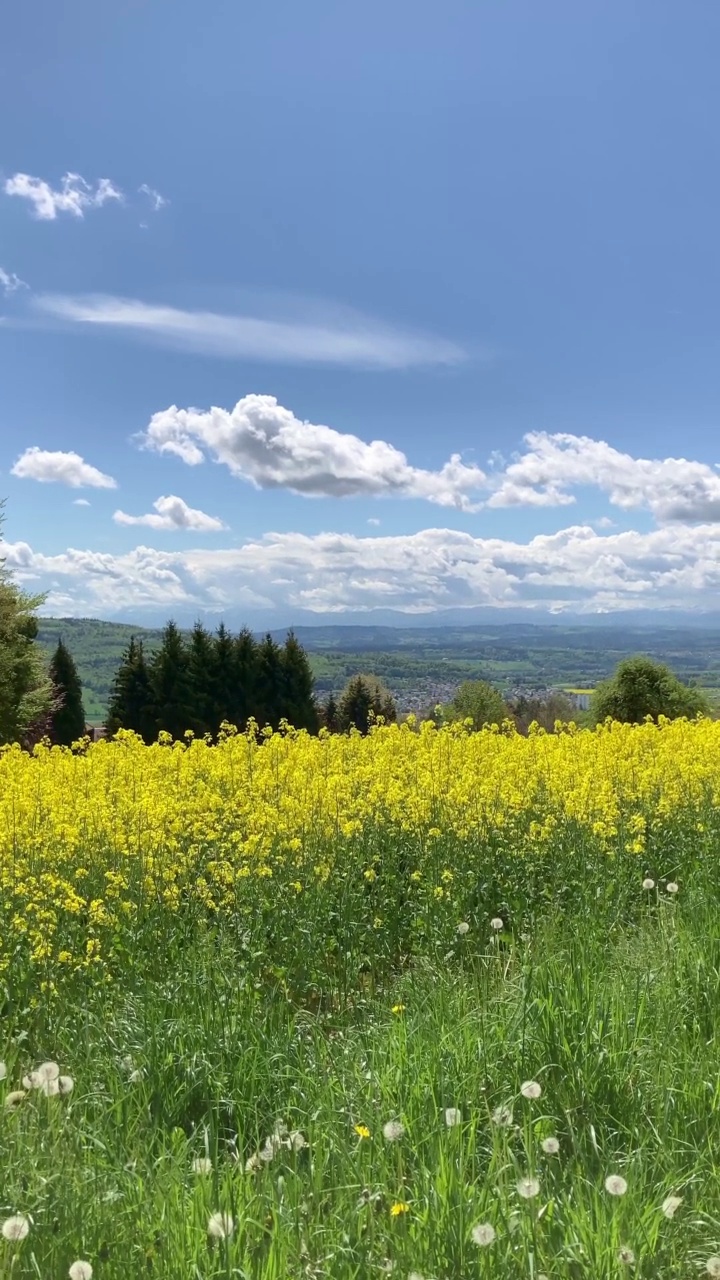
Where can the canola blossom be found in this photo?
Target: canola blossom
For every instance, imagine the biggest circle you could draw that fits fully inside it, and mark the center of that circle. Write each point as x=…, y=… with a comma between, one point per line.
x=413, y=826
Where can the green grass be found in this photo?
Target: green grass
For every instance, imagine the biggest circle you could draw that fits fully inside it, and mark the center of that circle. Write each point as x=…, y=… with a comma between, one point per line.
x=198, y=1053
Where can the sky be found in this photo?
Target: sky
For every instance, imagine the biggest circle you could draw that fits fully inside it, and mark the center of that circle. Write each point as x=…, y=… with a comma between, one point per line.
x=319, y=310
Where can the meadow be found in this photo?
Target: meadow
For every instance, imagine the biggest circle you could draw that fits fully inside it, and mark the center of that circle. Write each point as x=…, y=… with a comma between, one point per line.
x=425, y=1003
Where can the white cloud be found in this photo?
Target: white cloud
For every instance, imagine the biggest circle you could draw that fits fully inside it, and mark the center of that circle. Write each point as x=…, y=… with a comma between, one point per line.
x=10, y=283
x=74, y=195
x=56, y=467
x=373, y=520
x=673, y=489
x=264, y=443
x=174, y=514
x=349, y=339
x=577, y=570
x=157, y=201
x=80, y=502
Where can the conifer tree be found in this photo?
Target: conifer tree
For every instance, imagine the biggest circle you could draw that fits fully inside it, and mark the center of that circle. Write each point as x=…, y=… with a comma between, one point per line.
x=246, y=678
x=365, y=699
x=331, y=718
x=68, y=715
x=222, y=678
x=200, y=670
x=170, y=685
x=130, y=705
x=269, y=683
x=298, y=701
x=25, y=690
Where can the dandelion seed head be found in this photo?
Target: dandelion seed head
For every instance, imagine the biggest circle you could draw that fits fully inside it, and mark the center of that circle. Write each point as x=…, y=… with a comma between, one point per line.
x=51, y=1088
x=80, y=1270
x=48, y=1071
x=528, y=1188
x=135, y=1076
x=502, y=1116
x=550, y=1146
x=483, y=1233
x=496, y=924
x=393, y=1131
x=66, y=1084
x=15, y=1228
x=626, y=1255
x=202, y=1164
x=671, y=1205
x=453, y=1116
x=31, y=1081
x=531, y=1089
x=14, y=1098
x=463, y=928
x=648, y=883
x=253, y=1164
x=712, y=1266
x=297, y=1140
x=220, y=1226
x=615, y=1185
x=672, y=887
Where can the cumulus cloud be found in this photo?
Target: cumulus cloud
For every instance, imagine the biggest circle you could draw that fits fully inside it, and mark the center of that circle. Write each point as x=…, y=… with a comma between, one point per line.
x=673, y=489
x=10, y=283
x=55, y=467
x=156, y=200
x=348, y=339
x=80, y=502
x=577, y=570
x=74, y=195
x=173, y=513
x=265, y=444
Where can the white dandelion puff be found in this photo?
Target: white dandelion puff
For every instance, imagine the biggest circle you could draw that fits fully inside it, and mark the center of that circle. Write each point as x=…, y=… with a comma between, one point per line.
x=48, y=1071
x=496, y=924
x=463, y=928
x=502, y=1116
x=16, y=1228
x=712, y=1266
x=80, y=1270
x=202, y=1164
x=66, y=1084
x=453, y=1116
x=615, y=1185
x=483, y=1233
x=626, y=1255
x=220, y=1226
x=672, y=887
x=550, y=1146
x=531, y=1089
x=648, y=883
x=296, y=1140
x=31, y=1081
x=393, y=1131
x=253, y=1164
x=528, y=1188
x=51, y=1088
x=670, y=1205
x=14, y=1098
x=135, y=1076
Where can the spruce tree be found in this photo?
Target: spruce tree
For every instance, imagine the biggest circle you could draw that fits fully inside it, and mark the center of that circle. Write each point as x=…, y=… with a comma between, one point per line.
x=245, y=700
x=130, y=705
x=269, y=683
x=25, y=690
x=200, y=663
x=170, y=684
x=331, y=718
x=298, y=701
x=365, y=699
x=222, y=678
x=68, y=715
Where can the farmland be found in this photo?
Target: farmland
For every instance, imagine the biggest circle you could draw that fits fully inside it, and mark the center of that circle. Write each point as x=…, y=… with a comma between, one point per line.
x=425, y=1002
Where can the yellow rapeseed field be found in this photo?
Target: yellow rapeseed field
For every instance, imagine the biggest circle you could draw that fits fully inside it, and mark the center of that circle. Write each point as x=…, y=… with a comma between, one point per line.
x=95, y=839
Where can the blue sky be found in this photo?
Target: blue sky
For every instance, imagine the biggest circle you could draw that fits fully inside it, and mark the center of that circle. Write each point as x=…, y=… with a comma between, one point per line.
x=481, y=231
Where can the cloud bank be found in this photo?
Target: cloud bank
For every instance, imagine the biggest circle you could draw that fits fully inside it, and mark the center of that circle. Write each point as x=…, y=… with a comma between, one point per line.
x=173, y=514
x=56, y=467
x=577, y=570
x=353, y=341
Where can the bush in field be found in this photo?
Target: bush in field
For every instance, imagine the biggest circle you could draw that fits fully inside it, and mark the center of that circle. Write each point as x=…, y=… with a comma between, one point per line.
x=478, y=701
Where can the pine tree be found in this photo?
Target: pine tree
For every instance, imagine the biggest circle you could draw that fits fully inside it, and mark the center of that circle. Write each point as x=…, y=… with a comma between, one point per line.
x=365, y=699
x=200, y=669
x=170, y=684
x=25, y=690
x=68, y=716
x=130, y=705
x=270, y=708
x=246, y=678
x=298, y=701
x=331, y=718
x=222, y=678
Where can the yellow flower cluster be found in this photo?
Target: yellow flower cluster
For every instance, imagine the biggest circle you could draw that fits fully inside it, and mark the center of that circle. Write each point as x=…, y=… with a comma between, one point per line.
x=91, y=840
